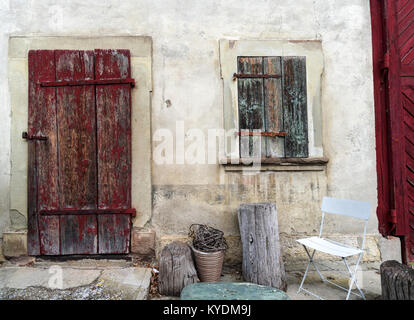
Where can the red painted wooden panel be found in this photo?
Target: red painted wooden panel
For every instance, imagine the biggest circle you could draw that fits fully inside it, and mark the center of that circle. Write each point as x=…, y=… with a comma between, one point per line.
x=405, y=38
x=42, y=121
x=77, y=126
x=49, y=235
x=114, y=233
x=113, y=108
x=393, y=34
x=33, y=245
x=85, y=163
x=401, y=4
x=382, y=129
x=78, y=234
x=396, y=118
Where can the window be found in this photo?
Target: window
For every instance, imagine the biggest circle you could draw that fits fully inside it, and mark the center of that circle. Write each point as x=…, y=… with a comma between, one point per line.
x=272, y=106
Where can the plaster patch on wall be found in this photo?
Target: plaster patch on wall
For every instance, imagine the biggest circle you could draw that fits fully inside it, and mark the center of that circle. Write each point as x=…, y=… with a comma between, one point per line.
x=297, y=196
x=18, y=220
x=294, y=256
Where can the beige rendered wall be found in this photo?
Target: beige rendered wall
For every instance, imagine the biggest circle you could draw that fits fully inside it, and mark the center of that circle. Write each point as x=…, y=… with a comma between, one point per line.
x=188, y=87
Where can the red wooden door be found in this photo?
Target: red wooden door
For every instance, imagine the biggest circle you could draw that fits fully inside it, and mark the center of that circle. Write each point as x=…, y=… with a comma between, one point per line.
x=393, y=53
x=79, y=136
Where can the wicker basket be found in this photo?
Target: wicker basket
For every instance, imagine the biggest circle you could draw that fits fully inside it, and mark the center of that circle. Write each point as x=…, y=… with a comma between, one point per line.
x=209, y=265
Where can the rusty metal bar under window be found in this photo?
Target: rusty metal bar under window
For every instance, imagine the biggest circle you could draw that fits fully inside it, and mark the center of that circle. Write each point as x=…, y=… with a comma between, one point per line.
x=261, y=133
x=245, y=75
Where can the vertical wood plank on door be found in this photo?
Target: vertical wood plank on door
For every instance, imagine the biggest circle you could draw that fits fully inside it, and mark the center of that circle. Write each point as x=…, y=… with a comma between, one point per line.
x=33, y=245
x=49, y=235
x=295, y=106
x=251, y=106
x=42, y=121
x=78, y=234
x=113, y=130
x=273, y=105
x=76, y=128
x=114, y=233
x=395, y=116
x=46, y=126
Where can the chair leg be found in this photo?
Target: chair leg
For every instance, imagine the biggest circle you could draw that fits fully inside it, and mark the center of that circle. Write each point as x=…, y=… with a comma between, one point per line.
x=304, y=277
x=314, y=265
x=353, y=278
x=356, y=282
x=307, y=269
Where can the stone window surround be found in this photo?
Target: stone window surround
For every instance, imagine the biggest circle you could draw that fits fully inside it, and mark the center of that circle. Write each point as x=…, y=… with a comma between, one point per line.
x=312, y=50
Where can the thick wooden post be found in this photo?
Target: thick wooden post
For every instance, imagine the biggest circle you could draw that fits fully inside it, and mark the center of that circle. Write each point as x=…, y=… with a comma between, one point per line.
x=176, y=269
x=262, y=259
x=397, y=281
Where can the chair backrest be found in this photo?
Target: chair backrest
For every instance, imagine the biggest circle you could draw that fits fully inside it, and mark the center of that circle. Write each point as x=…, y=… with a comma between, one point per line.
x=351, y=208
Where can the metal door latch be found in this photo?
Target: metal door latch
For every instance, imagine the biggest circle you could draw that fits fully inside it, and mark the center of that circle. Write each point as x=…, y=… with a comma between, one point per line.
x=26, y=136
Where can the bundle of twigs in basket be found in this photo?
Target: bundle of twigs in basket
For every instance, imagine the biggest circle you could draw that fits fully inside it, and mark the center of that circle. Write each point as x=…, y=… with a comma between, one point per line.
x=206, y=238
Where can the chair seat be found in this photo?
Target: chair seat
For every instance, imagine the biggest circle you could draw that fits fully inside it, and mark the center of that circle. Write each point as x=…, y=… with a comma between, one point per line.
x=323, y=245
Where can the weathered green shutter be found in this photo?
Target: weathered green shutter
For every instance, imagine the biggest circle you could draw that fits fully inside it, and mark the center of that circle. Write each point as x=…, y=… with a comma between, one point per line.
x=295, y=115
x=251, y=104
x=273, y=105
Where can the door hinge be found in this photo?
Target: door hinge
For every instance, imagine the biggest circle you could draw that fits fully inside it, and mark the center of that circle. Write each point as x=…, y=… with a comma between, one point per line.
x=26, y=136
x=393, y=215
x=385, y=63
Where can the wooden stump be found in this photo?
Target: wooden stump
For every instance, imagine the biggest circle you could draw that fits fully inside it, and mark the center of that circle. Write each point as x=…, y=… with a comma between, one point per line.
x=176, y=269
x=262, y=259
x=397, y=281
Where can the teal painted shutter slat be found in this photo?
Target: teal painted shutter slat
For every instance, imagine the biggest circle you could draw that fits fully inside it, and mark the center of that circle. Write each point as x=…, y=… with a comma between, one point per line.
x=251, y=106
x=273, y=105
x=295, y=116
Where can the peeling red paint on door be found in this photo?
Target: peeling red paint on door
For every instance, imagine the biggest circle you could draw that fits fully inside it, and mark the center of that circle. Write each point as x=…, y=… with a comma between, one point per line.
x=80, y=101
x=393, y=63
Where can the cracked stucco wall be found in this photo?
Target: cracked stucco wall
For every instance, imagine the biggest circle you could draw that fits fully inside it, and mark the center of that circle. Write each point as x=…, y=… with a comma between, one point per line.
x=187, y=87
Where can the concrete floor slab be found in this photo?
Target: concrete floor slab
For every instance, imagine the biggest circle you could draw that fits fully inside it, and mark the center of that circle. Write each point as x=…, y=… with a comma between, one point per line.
x=119, y=280
x=369, y=281
x=51, y=281
x=134, y=282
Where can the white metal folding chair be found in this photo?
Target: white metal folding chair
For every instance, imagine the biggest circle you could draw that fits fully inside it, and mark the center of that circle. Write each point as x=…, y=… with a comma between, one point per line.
x=355, y=209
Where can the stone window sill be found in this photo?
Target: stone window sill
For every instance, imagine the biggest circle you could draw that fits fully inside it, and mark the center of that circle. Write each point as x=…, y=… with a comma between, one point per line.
x=277, y=164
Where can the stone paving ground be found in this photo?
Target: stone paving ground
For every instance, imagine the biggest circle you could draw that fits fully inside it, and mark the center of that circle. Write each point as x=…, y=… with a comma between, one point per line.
x=119, y=279
x=85, y=279
x=368, y=279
